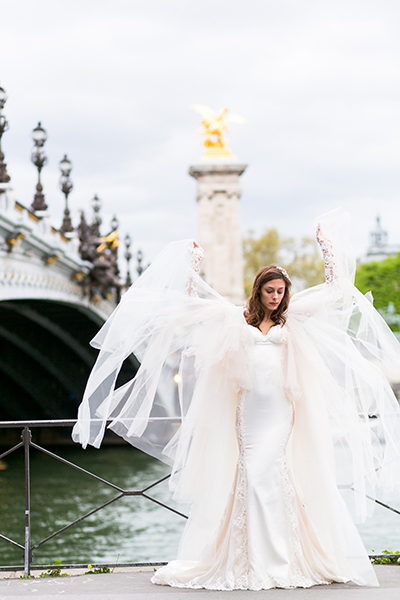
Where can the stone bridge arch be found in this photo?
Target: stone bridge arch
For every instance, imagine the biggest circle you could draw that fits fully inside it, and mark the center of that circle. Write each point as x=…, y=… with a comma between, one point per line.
x=47, y=319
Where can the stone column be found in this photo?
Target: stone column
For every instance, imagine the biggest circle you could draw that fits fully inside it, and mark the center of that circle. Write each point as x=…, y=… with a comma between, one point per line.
x=218, y=195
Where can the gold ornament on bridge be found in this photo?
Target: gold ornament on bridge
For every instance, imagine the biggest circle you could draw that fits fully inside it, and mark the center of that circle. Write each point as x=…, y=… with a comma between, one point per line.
x=110, y=241
x=50, y=259
x=212, y=127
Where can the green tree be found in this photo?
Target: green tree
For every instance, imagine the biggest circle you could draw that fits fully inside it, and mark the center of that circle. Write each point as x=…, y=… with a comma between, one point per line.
x=302, y=259
x=383, y=280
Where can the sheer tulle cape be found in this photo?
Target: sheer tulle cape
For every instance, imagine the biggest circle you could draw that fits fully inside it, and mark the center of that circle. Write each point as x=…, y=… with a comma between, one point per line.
x=338, y=348
x=336, y=344
x=205, y=339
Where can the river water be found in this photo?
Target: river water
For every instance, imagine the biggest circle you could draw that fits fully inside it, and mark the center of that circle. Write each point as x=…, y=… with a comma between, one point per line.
x=130, y=530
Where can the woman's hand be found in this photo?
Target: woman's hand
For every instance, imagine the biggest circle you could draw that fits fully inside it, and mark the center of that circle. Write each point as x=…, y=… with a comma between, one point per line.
x=320, y=237
x=197, y=254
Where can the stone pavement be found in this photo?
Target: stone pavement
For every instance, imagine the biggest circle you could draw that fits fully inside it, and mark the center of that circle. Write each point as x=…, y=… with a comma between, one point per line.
x=132, y=584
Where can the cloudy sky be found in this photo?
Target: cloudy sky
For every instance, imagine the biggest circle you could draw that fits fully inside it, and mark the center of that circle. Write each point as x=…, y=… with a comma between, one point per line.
x=112, y=83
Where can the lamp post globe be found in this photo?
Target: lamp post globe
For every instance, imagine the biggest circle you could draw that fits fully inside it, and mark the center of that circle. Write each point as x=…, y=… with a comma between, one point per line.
x=114, y=223
x=39, y=135
x=65, y=166
x=96, y=204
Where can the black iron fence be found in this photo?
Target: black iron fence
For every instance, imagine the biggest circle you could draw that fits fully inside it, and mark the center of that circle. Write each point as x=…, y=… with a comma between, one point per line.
x=26, y=443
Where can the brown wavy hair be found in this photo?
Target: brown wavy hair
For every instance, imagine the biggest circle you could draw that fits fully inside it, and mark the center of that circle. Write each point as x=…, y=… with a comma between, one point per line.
x=255, y=310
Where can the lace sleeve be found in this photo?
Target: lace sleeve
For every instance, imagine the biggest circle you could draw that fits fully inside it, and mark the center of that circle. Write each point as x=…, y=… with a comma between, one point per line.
x=198, y=255
x=331, y=274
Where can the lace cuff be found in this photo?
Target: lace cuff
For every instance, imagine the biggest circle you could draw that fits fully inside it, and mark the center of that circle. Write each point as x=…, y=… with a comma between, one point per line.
x=331, y=274
x=198, y=255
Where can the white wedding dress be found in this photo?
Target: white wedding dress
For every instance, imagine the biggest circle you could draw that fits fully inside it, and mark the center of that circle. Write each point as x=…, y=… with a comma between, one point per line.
x=261, y=419
x=260, y=543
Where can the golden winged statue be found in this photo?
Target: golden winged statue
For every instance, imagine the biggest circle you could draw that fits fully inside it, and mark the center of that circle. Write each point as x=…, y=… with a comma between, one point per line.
x=212, y=127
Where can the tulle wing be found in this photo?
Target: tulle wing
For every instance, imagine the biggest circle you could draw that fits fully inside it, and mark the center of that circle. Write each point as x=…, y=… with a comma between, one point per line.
x=178, y=328
x=342, y=342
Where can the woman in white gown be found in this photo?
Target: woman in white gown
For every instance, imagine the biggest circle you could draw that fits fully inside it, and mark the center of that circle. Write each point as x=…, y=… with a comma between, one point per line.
x=265, y=404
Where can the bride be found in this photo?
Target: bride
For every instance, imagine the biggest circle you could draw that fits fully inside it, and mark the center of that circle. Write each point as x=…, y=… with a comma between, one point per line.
x=274, y=450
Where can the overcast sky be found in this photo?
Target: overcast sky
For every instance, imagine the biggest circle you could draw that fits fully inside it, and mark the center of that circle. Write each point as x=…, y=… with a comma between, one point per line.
x=112, y=83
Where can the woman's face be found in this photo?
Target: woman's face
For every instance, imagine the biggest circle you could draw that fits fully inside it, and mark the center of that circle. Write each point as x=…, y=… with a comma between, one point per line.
x=272, y=293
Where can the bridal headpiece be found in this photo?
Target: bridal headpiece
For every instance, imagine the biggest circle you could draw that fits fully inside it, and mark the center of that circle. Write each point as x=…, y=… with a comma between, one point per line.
x=284, y=272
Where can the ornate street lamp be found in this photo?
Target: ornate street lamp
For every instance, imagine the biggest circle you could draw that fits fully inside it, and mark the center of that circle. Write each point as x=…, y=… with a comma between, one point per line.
x=96, y=205
x=39, y=159
x=139, y=267
x=128, y=257
x=114, y=223
x=95, y=226
x=4, y=176
x=66, y=186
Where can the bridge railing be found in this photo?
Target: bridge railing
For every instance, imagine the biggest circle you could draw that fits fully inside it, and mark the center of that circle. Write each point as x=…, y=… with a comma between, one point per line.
x=26, y=443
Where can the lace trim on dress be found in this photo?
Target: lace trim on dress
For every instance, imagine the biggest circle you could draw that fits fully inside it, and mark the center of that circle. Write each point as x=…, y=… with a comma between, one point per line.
x=198, y=255
x=240, y=520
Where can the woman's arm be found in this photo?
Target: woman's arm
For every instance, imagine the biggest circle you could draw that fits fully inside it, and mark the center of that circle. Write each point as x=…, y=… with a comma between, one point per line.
x=327, y=253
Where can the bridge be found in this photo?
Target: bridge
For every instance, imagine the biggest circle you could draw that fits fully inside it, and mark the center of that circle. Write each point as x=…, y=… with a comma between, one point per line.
x=57, y=287
x=47, y=317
